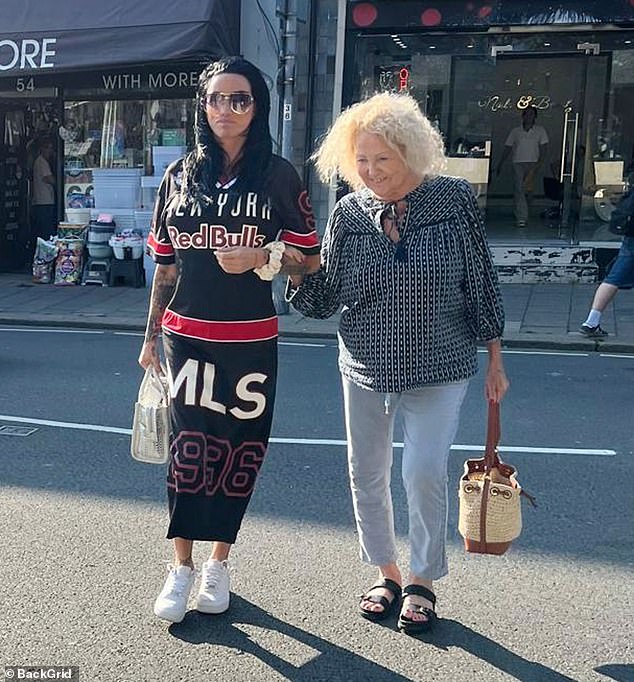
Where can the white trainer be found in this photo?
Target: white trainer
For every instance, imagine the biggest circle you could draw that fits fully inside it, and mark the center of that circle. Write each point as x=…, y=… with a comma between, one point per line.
x=171, y=604
x=213, y=596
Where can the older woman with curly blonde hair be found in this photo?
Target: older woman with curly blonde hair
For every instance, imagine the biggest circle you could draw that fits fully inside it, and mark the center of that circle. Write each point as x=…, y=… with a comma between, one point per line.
x=406, y=259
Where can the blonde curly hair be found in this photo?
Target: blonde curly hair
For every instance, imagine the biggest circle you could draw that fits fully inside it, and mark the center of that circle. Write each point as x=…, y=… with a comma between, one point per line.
x=399, y=120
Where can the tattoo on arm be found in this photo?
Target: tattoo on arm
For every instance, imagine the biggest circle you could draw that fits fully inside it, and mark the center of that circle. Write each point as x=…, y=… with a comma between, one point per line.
x=162, y=291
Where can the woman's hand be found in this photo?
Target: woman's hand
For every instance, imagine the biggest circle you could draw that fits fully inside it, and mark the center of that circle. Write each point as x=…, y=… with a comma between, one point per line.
x=292, y=256
x=149, y=356
x=495, y=384
x=236, y=260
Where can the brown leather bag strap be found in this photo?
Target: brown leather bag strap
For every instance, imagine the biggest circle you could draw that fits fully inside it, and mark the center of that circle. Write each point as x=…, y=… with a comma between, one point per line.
x=491, y=458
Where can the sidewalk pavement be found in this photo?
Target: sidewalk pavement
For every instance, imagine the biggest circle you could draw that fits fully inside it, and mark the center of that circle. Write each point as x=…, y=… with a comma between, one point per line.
x=537, y=315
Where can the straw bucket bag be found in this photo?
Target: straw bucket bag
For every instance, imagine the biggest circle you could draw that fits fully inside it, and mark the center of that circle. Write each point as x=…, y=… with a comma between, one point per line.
x=490, y=507
x=150, y=427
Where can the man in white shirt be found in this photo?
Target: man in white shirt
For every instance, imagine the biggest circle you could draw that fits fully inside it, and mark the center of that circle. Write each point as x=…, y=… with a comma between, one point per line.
x=43, y=212
x=528, y=143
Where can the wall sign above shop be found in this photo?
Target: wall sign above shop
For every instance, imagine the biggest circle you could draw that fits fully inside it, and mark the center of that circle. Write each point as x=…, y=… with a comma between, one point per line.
x=399, y=14
x=151, y=81
x=175, y=79
x=27, y=54
x=520, y=102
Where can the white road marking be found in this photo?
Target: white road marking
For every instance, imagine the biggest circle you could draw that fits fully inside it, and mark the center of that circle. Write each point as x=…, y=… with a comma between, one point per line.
x=66, y=425
x=508, y=351
x=305, y=345
x=52, y=331
x=469, y=448
x=86, y=331
x=316, y=441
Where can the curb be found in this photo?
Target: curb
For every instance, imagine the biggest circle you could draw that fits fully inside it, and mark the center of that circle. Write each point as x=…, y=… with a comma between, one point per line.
x=511, y=342
x=73, y=323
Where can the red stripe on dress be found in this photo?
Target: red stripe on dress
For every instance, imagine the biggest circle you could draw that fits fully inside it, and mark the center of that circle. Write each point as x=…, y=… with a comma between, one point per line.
x=207, y=330
x=158, y=248
x=302, y=239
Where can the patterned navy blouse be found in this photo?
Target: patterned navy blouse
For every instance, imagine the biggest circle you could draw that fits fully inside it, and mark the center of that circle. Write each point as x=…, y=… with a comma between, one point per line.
x=412, y=312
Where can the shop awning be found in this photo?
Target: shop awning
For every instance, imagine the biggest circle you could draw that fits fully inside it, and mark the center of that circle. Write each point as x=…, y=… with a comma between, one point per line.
x=40, y=36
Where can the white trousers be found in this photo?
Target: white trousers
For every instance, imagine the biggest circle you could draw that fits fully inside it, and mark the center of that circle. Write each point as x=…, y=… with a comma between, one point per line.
x=430, y=420
x=521, y=195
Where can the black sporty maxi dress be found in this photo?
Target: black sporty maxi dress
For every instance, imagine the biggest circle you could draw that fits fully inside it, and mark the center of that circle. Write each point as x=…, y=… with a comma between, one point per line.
x=220, y=343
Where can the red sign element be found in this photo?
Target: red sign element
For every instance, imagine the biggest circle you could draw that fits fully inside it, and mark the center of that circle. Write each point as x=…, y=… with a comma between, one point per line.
x=364, y=14
x=403, y=79
x=484, y=12
x=431, y=17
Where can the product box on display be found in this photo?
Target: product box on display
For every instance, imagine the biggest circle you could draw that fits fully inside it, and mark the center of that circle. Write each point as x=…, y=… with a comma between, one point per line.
x=127, y=245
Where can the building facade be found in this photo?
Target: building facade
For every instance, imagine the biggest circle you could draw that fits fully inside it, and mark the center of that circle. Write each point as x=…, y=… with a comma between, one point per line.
x=112, y=86
x=474, y=67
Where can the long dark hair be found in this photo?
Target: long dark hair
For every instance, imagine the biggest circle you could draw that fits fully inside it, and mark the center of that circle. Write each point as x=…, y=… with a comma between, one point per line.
x=206, y=163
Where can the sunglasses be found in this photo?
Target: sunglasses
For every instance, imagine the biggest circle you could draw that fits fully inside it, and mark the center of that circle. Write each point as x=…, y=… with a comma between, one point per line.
x=239, y=102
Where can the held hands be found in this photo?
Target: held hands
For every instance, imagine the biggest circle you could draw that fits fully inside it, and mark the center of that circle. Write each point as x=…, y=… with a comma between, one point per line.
x=292, y=260
x=236, y=260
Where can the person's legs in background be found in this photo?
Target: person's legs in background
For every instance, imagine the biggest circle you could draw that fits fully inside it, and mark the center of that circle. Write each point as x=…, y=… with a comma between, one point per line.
x=621, y=276
x=519, y=193
x=602, y=297
x=43, y=220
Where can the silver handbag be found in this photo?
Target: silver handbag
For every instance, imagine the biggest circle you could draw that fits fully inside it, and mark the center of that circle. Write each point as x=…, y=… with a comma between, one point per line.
x=150, y=427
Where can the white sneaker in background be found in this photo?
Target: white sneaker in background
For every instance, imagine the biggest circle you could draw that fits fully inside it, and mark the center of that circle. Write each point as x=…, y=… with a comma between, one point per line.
x=213, y=596
x=171, y=604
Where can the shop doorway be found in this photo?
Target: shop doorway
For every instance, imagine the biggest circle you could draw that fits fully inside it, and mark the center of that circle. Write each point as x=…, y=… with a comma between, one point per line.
x=547, y=130
x=474, y=88
x=547, y=141
x=26, y=126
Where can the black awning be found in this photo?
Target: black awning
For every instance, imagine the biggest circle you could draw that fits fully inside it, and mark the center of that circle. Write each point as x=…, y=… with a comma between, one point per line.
x=40, y=36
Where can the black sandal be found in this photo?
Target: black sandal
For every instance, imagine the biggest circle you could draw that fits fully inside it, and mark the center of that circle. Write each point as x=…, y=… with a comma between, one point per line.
x=415, y=627
x=388, y=606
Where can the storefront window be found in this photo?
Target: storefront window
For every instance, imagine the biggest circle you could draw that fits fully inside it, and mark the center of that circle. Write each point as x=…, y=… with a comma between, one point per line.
x=475, y=87
x=121, y=134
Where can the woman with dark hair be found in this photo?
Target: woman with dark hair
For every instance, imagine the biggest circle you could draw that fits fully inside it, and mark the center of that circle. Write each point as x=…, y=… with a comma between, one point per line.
x=228, y=217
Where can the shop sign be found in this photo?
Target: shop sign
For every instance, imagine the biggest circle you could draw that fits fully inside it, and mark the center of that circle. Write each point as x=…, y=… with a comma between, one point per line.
x=151, y=81
x=27, y=54
x=394, y=78
x=521, y=102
